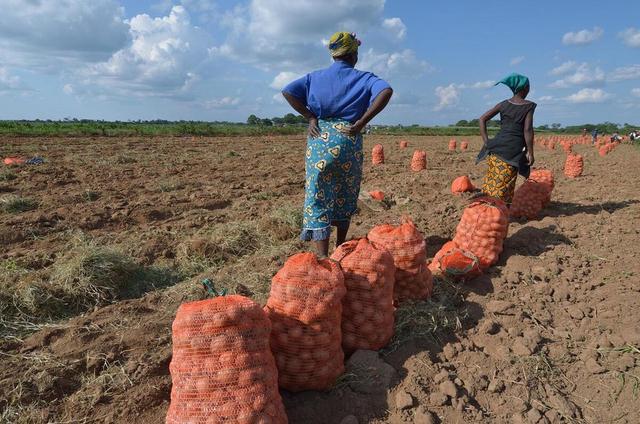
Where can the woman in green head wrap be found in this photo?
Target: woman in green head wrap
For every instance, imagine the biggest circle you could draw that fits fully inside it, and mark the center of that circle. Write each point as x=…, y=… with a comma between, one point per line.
x=338, y=101
x=511, y=151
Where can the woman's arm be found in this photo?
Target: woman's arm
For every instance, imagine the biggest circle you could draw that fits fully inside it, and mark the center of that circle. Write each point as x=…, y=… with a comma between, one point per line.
x=300, y=107
x=488, y=115
x=528, y=136
x=379, y=103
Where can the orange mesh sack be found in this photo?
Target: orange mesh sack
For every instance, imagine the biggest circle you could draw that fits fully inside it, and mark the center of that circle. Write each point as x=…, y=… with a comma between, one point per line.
x=462, y=185
x=367, y=308
x=377, y=154
x=452, y=144
x=528, y=200
x=456, y=263
x=305, y=308
x=409, y=251
x=419, y=160
x=573, y=166
x=464, y=145
x=404, y=144
x=222, y=367
x=377, y=195
x=546, y=179
x=482, y=229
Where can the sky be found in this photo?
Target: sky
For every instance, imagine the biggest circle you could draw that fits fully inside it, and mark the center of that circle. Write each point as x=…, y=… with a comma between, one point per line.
x=225, y=59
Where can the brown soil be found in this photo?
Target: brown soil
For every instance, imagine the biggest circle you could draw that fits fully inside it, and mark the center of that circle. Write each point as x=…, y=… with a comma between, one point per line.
x=550, y=334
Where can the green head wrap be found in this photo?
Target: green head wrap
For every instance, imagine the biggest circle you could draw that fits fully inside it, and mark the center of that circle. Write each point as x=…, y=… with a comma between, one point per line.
x=342, y=43
x=515, y=82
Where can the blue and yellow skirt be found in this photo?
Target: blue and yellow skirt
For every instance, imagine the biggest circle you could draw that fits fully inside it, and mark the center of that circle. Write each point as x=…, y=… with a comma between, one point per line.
x=333, y=176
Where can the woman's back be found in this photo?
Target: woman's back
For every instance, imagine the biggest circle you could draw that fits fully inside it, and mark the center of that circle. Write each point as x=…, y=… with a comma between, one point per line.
x=512, y=116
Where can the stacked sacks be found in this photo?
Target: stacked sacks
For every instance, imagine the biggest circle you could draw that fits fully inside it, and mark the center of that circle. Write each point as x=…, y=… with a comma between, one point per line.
x=305, y=307
x=452, y=145
x=367, y=308
x=462, y=185
x=464, y=145
x=419, y=160
x=574, y=165
x=455, y=262
x=544, y=177
x=377, y=155
x=408, y=248
x=482, y=229
x=222, y=368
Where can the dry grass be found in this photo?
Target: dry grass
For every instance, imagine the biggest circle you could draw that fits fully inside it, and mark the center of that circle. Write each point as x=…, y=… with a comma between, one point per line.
x=87, y=275
x=16, y=204
x=7, y=176
x=443, y=313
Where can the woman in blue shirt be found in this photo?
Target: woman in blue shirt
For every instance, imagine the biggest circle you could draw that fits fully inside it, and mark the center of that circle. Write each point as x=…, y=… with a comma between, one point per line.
x=338, y=102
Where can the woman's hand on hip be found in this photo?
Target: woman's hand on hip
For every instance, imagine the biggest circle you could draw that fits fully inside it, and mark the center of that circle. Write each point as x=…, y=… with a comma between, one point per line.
x=354, y=129
x=314, y=129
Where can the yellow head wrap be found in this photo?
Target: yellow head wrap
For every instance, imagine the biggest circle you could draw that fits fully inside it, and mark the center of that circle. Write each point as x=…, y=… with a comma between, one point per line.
x=343, y=43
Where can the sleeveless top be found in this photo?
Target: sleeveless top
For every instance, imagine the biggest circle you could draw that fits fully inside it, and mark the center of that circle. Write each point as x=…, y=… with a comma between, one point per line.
x=509, y=144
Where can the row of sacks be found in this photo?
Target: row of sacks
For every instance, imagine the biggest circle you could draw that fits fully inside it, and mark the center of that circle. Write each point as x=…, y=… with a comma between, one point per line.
x=230, y=356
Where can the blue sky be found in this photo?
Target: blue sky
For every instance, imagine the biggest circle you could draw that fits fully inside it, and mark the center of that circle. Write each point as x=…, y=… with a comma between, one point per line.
x=224, y=59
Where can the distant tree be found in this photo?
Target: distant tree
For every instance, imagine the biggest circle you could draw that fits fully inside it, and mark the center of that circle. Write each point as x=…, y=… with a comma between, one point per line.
x=462, y=123
x=253, y=120
x=277, y=121
x=266, y=122
x=556, y=126
x=290, y=118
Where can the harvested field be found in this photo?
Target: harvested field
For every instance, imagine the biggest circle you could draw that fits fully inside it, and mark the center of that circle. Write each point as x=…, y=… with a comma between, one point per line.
x=99, y=246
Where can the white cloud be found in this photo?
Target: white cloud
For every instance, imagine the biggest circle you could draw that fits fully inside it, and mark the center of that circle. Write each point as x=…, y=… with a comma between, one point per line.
x=7, y=81
x=282, y=79
x=261, y=34
x=478, y=85
x=582, y=37
x=448, y=96
x=403, y=63
x=163, y=58
x=635, y=92
x=222, y=103
x=46, y=32
x=564, y=68
x=623, y=73
x=396, y=27
x=516, y=60
x=68, y=89
x=588, y=95
x=631, y=37
x=583, y=74
x=545, y=99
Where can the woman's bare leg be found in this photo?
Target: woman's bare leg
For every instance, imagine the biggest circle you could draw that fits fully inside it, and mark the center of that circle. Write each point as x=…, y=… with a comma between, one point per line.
x=341, y=236
x=322, y=248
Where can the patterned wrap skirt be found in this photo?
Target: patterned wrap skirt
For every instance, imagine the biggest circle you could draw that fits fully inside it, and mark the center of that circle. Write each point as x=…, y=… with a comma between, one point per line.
x=500, y=180
x=333, y=175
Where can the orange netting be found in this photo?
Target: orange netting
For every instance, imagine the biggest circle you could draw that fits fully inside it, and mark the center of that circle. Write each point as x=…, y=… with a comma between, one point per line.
x=452, y=144
x=456, y=262
x=544, y=177
x=573, y=166
x=464, y=145
x=404, y=144
x=377, y=195
x=462, y=184
x=377, y=154
x=482, y=229
x=14, y=161
x=528, y=200
x=222, y=369
x=367, y=308
x=305, y=307
x=419, y=160
x=408, y=248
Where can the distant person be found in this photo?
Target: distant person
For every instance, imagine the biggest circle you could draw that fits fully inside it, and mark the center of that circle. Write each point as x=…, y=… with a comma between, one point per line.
x=615, y=137
x=594, y=136
x=511, y=151
x=338, y=101
x=584, y=132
